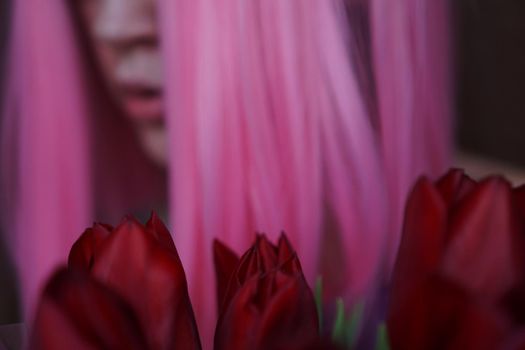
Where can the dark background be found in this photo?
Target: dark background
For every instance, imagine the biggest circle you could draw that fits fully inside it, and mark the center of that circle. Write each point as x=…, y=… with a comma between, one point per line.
x=9, y=312
x=490, y=51
x=4, y=23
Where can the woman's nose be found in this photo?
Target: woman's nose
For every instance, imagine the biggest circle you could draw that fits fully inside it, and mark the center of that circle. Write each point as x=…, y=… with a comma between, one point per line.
x=126, y=22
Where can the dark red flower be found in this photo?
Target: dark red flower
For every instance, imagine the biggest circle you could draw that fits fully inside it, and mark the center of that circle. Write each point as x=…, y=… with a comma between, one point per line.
x=78, y=312
x=268, y=304
x=459, y=265
x=140, y=265
x=225, y=261
x=84, y=250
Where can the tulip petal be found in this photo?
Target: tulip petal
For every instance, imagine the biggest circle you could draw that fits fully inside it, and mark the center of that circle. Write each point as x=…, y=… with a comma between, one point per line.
x=292, y=266
x=480, y=253
x=248, y=265
x=77, y=312
x=290, y=316
x=514, y=303
x=225, y=261
x=84, y=250
x=518, y=195
x=439, y=314
x=237, y=322
x=284, y=249
x=481, y=328
x=454, y=186
x=518, y=205
x=151, y=278
x=422, y=242
x=162, y=234
x=266, y=252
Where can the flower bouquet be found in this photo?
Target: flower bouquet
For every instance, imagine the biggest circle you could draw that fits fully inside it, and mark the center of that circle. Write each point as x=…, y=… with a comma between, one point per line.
x=458, y=283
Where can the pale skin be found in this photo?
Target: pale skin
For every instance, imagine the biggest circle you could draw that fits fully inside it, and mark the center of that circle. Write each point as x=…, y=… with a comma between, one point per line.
x=124, y=36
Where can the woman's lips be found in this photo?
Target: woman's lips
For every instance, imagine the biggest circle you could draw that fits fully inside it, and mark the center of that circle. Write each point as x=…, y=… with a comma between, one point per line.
x=143, y=102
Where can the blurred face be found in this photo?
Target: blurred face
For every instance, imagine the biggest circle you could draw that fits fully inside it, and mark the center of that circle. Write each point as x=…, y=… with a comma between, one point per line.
x=125, y=40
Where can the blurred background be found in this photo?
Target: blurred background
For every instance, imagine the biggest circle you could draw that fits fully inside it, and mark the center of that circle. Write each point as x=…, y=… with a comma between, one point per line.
x=490, y=78
x=8, y=298
x=490, y=99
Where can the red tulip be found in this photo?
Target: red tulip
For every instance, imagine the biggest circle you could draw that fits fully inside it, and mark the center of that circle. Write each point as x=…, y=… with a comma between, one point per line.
x=459, y=266
x=268, y=304
x=439, y=314
x=84, y=250
x=225, y=261
x=139, y=264
x=78, y=312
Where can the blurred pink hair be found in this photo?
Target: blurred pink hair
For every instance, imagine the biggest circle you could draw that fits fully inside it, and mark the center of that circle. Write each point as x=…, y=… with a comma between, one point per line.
x=44, y=138
x=68, y=158
x=273, y=126
x=411, y=58
x=270, y=130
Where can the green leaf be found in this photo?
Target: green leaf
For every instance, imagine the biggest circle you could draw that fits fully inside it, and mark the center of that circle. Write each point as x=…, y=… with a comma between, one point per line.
x=338, y=332
x=382, y=338
x=354, y=323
